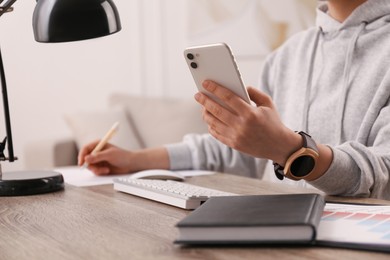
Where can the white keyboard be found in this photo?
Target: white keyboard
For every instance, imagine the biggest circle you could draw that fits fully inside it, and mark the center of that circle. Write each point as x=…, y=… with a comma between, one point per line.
x=179, y=194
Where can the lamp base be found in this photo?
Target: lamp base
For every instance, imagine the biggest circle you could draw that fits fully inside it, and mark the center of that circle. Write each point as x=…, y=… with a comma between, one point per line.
x=22, y=183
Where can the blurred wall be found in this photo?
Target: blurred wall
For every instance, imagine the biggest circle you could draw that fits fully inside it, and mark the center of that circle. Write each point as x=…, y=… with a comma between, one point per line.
x=46, y=81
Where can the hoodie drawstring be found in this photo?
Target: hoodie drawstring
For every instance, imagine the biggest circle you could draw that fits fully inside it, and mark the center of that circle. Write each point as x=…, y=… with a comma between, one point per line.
x=309, y=82
x=346, y=80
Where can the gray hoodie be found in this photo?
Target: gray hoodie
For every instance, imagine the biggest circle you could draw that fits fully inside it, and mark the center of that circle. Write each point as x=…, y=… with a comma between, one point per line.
x=333, y=82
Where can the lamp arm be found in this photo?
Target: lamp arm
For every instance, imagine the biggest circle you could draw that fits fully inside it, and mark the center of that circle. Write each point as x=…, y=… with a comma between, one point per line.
x=6, y=7
x=7, y=118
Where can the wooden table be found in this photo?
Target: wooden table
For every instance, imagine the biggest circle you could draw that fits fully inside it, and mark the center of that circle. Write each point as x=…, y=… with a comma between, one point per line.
x=100, y=223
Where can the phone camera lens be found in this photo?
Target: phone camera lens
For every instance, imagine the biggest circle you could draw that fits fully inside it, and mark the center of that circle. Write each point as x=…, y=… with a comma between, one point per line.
x=194, y=65
x=190, y=56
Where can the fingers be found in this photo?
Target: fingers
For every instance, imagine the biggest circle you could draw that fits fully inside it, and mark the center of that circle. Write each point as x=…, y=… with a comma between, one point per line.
x=99, y=163
x=101, y=156
x=212, y=108
x=99, y=169
x=219, y=118
x=229, y=98
x=260, y=98
x=105, y=161
x=214, y=123
x=215, y=109
x=86, y=150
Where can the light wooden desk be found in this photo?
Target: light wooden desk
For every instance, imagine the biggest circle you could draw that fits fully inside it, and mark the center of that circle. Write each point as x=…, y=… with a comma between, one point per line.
x=100, y=223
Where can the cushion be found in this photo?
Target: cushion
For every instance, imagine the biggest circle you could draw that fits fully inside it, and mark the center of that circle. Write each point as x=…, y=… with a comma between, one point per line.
x=160, y=121
x=88, y=126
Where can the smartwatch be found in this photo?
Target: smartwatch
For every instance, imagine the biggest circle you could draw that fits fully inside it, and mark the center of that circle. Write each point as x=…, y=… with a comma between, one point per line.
x=301, y=163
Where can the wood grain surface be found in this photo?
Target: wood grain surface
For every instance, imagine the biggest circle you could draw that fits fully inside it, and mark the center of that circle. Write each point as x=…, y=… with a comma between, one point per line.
x=100, y=223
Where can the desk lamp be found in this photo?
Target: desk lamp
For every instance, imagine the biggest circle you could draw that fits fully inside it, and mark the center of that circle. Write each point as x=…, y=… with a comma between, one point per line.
x=53, y=21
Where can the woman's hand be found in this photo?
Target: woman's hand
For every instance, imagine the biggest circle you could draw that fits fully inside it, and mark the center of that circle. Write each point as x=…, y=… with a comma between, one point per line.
x=111, y=160
x=114, y=160
x=257, y=131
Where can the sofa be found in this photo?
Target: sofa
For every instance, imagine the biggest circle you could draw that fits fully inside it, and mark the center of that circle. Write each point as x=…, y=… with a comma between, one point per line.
x=143, y=122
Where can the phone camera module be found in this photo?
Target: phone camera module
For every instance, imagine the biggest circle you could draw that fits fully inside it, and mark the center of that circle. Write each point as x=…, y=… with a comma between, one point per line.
x=194, y=65
x=190, y=56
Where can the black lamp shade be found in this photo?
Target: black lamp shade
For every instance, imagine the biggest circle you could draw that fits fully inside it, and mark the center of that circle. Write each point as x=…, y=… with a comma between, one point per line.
x=74, y=20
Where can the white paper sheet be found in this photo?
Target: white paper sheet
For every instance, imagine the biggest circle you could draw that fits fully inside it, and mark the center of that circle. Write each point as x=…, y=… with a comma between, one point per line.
x=79, y=177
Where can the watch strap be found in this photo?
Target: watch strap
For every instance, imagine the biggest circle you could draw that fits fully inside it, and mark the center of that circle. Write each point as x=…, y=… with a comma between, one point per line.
x=308, y=143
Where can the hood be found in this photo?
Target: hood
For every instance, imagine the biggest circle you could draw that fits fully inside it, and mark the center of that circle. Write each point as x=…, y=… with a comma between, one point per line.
x=371, y=14
x=368, y=12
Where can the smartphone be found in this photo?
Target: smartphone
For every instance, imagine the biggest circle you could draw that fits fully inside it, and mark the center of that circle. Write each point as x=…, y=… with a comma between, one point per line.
x=215, y=62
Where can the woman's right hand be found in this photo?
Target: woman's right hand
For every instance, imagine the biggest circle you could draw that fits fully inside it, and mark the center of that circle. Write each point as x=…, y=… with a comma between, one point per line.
x=114, y=160
x=110, y=160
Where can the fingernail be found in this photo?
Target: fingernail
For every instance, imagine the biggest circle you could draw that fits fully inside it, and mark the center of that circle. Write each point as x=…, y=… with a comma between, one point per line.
x=206, y=84
x=197, y=96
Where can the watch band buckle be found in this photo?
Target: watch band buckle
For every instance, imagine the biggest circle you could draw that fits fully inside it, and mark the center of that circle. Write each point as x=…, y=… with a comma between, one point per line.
x=278, y=171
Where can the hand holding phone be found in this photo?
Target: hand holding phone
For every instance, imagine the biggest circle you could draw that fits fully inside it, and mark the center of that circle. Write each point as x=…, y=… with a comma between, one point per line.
x=215, y=62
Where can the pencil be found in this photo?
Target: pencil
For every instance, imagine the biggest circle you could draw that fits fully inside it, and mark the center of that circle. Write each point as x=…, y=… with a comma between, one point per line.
x=106, y=138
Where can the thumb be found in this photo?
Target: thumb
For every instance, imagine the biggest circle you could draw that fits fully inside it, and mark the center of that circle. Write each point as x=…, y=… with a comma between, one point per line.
x=259, y=97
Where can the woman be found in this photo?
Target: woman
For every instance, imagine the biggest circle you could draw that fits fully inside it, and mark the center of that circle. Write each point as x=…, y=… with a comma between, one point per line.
x=331, y=83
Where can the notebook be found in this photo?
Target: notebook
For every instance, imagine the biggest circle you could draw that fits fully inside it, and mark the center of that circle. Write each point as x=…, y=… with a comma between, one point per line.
x=254, y=219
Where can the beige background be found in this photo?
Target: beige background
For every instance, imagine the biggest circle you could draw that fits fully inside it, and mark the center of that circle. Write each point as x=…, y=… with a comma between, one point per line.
x=46, y=81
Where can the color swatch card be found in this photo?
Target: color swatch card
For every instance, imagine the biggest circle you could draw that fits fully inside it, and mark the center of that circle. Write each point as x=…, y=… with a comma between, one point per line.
x=358, y=226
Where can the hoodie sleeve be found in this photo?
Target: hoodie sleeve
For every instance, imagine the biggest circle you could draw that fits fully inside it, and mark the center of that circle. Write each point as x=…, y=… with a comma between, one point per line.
x=361, y=168
x=204, y=152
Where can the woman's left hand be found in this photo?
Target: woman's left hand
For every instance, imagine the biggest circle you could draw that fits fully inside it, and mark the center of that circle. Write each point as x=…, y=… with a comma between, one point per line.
x=255, y=130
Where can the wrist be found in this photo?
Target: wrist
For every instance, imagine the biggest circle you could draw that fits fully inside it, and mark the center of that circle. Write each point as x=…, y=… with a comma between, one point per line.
x=134, y=161
x=292, y=142
x=300, y=164
x=323, y=162
x=154, y=158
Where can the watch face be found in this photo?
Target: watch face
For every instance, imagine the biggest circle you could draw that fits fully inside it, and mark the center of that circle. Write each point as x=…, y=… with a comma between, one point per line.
x=302, y=166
